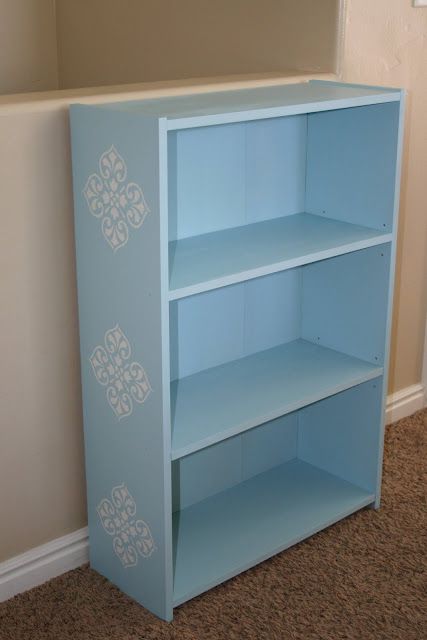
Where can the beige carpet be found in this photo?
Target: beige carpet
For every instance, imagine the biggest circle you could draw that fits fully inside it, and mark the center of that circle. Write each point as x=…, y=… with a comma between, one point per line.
x=365, y=577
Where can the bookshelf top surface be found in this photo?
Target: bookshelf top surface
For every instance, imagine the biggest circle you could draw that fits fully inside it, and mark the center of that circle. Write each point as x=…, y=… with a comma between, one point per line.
x=266, y=102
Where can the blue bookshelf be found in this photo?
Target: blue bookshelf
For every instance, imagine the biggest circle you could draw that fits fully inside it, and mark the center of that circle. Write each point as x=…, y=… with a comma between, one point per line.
x=235, y=260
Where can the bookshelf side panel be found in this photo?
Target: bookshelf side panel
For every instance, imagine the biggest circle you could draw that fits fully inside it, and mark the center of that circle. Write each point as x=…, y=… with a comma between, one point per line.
x=351, y=164
x=341, y=434
x=119, y=195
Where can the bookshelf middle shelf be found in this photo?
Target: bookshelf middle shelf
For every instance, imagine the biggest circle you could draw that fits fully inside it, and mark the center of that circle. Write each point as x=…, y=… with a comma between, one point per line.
x=226, y=400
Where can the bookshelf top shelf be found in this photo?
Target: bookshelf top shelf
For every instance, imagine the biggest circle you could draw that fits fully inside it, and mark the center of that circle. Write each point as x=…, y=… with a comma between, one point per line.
x=212, y=108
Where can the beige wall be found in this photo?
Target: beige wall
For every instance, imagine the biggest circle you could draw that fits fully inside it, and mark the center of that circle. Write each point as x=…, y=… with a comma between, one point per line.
x=41, y=470
x=386, y=43
x=108, y=42
x=46, y=44
x=28, y=55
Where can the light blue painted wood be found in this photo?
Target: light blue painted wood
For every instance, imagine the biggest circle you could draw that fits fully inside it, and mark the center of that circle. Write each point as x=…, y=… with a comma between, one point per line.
x=206, y=330
x=230, y=532
x=351, y=163
x=225, y=107
x=207, y=472
x=122, y=291
x=222, y=325
x=272, y=312
x=399, y=152
x=210, y=177
x=256, y=389
x=219, y=178
x=214, y=260
x=340, y=434
x=225, y=464
x=269, y=445
x=355, y=85
x=275, y=167
x=344, y=303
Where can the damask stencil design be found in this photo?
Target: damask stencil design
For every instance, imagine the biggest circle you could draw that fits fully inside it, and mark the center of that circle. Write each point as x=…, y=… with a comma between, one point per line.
x=117, y=202
x=131, y=537
x=125, y=381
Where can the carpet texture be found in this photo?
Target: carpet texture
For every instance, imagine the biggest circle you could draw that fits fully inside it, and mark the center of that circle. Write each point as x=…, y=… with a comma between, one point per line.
x=363, y=578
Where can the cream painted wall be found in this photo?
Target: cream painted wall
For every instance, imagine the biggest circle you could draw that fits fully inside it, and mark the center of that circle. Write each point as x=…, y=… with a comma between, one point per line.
x=28, y=52
x=41, y=453
x=385, y=43
x=109, y=42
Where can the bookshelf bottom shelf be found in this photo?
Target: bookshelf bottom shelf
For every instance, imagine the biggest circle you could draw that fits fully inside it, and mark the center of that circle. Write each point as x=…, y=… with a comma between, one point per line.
x=232, y=531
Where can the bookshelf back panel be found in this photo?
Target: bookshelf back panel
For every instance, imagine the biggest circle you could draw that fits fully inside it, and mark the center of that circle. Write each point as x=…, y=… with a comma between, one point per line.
x=223, y=465
x=225, y=324
x=230, y=175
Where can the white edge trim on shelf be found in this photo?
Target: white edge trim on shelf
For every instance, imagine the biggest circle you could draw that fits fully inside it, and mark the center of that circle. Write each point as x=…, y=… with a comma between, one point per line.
x=405, y=402
x=40, y=564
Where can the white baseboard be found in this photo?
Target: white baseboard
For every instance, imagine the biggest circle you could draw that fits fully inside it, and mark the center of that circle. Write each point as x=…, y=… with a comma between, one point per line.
x=42, y=563
x=405, y=402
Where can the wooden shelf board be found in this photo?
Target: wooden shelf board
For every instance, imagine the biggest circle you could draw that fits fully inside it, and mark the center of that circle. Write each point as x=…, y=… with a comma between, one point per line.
x=221, y=258
x=220, y=402
x=232, y=531
x=213, y=108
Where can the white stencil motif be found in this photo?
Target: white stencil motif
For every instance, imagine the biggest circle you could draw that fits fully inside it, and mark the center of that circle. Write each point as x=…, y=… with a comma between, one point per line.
x=131, y=537
x=125, y=380
x=117, y=202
